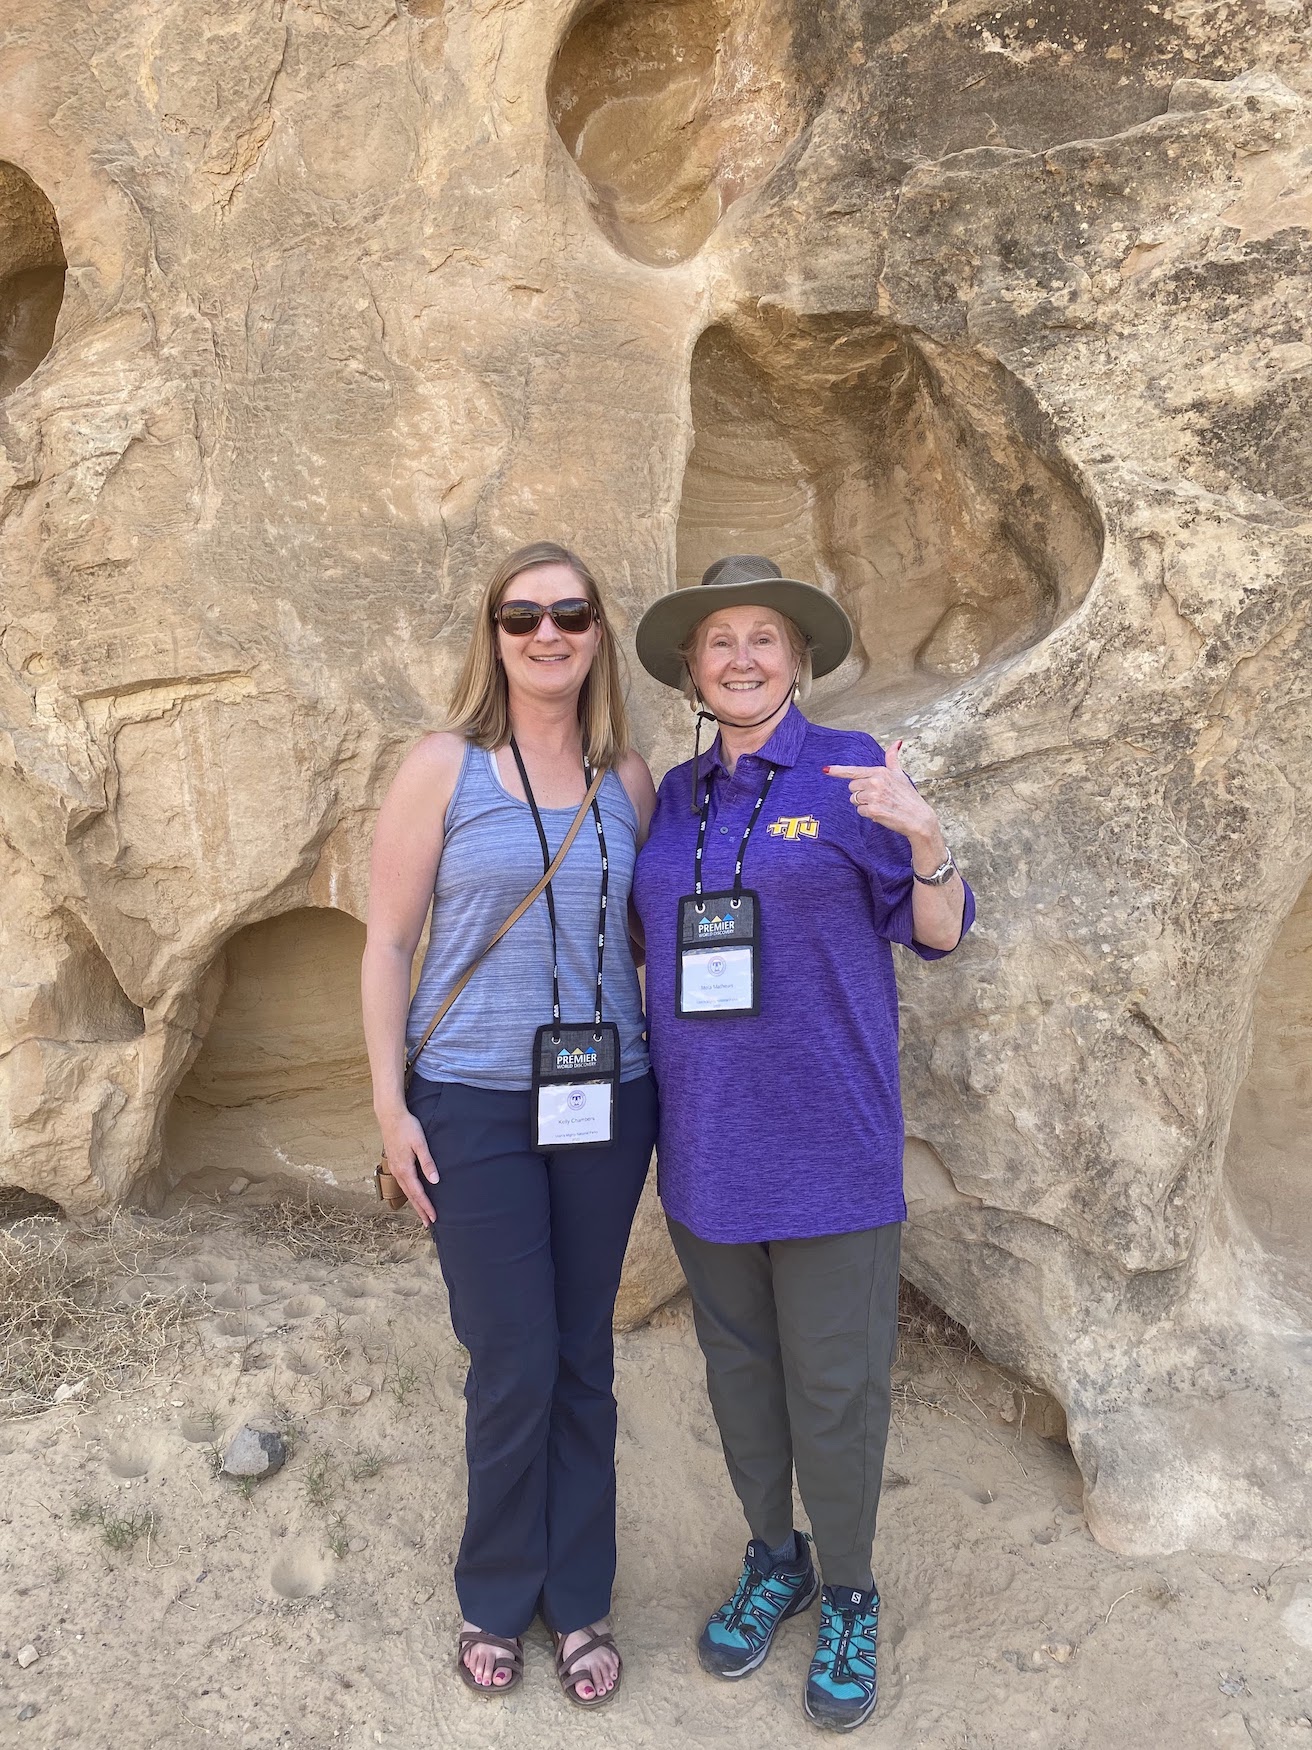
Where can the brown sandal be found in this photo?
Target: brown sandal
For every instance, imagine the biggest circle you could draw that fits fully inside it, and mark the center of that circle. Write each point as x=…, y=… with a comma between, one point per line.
x=477, y=1637
x=570, y=1679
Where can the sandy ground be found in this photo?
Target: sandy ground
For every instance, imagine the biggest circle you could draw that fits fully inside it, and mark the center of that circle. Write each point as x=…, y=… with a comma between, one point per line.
x=316, y=1609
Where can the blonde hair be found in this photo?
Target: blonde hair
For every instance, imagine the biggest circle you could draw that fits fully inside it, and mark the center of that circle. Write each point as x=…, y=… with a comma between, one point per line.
x=480, y=703
x=798, y=643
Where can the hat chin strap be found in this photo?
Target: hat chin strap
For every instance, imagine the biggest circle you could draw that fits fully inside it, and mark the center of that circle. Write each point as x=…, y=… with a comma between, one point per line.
x=706, y=715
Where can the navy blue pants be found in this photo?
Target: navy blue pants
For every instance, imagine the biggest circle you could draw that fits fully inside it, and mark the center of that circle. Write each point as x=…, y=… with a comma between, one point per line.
x=531, y=1247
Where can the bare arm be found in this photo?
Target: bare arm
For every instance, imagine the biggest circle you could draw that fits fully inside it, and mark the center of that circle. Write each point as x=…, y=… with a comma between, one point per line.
x=635, y=775
x=885, y=793
x=407, y=849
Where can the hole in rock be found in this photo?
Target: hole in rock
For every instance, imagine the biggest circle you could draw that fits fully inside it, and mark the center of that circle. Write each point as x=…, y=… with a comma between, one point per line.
x=280, y=1087
x=674, y=109
x=920, y=483
x=1268, y=1164
x=32, y=270
x=16, y=1204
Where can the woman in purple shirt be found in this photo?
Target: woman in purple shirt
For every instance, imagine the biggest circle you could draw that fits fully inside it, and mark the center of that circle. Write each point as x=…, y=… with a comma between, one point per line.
x=778, y=872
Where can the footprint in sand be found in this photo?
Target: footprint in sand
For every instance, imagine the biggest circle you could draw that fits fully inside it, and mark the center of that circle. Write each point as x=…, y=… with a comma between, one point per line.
x=200, y=1429
x=133, y=1458
x=304, y=1306
x=299, y=1361
x=235, y=1298
x=208, y=1270
x=300, y=1572
x=128, y=1462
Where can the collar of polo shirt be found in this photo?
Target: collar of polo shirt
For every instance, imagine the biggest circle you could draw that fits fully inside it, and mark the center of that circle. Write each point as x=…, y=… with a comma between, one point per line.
x=784, y=748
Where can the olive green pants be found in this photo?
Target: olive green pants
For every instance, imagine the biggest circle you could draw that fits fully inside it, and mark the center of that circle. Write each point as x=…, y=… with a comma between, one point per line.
x=799, y=1337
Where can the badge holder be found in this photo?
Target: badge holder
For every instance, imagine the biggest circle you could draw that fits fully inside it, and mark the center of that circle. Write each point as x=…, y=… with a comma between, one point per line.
x=576, y=1070
x=576, y=1066
x=719, y=948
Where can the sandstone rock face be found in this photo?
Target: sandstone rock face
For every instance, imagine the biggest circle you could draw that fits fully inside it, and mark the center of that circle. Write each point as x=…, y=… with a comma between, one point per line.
x=995, y=324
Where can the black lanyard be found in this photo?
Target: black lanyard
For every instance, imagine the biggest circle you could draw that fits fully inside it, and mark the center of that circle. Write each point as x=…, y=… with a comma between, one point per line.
x=551, y=902
x=742, y=848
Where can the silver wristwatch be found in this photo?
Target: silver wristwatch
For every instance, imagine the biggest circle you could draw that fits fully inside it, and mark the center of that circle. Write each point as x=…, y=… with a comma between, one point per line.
x=945, y=871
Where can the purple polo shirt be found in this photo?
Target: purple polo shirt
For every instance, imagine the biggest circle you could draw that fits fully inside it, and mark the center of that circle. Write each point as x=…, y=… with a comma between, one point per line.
x=786, y=1124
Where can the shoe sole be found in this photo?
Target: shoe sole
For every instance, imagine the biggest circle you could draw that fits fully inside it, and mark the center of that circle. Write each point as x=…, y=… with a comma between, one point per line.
x=832, y=1725
x=754, y=1664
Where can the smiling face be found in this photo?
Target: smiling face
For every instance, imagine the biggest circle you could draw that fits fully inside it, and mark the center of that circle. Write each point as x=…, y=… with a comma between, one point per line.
x=548, y=663
x=743, y=663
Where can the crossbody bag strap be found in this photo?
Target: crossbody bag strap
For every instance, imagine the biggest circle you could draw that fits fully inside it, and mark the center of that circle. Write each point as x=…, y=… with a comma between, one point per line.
x=412, y=1057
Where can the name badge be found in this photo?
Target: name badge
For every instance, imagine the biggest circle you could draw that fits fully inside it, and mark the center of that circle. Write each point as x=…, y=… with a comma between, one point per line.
x=719, y=946
x=576, y=1071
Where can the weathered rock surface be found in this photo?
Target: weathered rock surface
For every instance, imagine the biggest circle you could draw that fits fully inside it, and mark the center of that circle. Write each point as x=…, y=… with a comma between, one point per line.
x=996, y=324
x=254, y=1452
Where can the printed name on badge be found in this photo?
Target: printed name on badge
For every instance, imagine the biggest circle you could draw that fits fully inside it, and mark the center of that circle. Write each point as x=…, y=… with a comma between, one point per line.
x=571, y=1115
x=717, y=981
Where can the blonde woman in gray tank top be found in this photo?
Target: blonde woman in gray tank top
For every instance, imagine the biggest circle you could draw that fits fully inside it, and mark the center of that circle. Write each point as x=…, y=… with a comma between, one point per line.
x=530, y=1239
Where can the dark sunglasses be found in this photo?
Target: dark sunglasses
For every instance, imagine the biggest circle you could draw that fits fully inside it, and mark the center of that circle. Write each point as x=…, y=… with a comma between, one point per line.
x=519, y=619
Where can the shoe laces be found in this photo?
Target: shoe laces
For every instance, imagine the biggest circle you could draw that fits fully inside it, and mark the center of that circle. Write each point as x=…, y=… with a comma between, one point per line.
x=848, y=1635
x=750, y=1594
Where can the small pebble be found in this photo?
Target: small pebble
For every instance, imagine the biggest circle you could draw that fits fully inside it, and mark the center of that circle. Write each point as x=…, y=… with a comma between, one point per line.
x=237, y=1186
x=357, y=1544
x=27, y=1655
x=360, y=1393
x=1061, y=1651
x=29, y=1712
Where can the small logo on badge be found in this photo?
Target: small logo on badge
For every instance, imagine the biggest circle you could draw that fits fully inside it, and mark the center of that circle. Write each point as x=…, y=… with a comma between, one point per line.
x=577, y=1100
x=713, y=926
x=576, y=1059
x=716, y=965
x=794, y=826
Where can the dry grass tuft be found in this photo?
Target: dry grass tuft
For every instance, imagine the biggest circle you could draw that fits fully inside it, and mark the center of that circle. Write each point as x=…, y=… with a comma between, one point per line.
x=64, y=1333
x=922, y=1324
x=331, y=1232
x=940, y=1367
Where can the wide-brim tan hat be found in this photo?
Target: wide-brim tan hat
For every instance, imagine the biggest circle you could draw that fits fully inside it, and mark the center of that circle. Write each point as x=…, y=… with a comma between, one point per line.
x=741, y=580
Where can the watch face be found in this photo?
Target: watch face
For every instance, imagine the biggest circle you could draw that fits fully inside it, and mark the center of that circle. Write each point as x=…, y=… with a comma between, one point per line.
x=943, y=873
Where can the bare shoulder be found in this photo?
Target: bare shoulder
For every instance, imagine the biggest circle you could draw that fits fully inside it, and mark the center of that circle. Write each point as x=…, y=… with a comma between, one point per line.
x=427, y=775
x=442, y=750
x=633, y=772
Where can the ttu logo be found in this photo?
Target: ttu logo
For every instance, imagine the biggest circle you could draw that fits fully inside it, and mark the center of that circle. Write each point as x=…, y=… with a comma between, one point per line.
x=794, y=826
x=576, y=1059
x=713, y=926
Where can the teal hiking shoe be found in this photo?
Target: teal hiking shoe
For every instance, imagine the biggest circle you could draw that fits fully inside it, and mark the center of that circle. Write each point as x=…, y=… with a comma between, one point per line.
x=737, y=1638
x=842, y=1687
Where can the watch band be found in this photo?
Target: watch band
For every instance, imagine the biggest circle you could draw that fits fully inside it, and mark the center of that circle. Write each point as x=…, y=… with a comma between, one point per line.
x=944, y=873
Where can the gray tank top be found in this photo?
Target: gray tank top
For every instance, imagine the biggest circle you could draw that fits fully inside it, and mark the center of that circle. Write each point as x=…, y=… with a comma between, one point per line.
x=491, y=857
